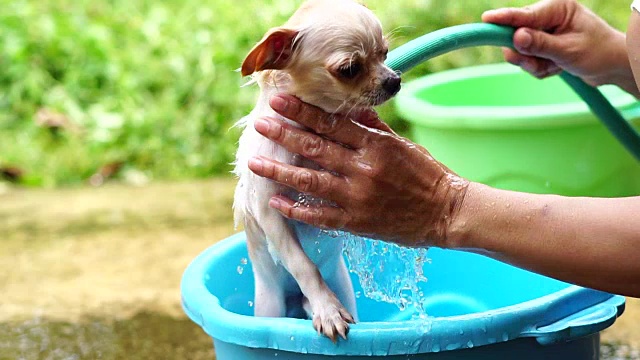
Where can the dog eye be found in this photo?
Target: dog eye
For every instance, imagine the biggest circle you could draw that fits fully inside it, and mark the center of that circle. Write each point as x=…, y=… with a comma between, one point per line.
x=350, y=71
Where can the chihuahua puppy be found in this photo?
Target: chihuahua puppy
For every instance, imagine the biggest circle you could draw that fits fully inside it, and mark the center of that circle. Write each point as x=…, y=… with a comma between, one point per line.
x=330, y=54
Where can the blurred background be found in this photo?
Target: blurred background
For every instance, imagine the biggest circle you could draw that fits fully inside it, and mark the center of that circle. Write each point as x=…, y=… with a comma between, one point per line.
x=115, y=145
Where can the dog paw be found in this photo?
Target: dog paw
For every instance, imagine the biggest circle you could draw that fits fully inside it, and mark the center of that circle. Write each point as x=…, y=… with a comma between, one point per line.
x=332, y=319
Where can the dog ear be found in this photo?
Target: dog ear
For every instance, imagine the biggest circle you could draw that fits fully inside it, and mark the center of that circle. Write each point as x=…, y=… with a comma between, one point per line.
x=272, y=52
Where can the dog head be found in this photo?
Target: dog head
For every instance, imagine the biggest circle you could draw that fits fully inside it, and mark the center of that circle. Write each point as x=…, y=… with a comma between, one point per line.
x=333, y=52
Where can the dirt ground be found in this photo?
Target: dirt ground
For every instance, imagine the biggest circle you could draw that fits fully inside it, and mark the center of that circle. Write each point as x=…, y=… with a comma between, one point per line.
x=94, y=273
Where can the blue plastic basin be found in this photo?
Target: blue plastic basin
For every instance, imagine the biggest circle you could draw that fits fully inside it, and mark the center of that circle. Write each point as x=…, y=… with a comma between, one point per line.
x=478, y=309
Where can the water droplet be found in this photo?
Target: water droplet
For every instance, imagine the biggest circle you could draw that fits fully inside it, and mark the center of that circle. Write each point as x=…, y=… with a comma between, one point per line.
x=470, y=344
x=461, y=332
x=453, y=346
x=240, y=269
x=292, y=338
x=435, y=348
x=244, y=261
x=508, y=206
x=358, y=294
x=505, y=337
x=250, y=303
x=425, y=326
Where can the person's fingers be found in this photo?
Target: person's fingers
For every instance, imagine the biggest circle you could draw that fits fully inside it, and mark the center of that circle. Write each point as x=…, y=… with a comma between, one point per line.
x=325, y=217
x=540, y=44
x=552, y=70
x=370, y=119
x=546, y=14
x=513, y=57
x=327, y=154
x=333, y=126
x=318, y=183
x=537, y=67
x=540, y=68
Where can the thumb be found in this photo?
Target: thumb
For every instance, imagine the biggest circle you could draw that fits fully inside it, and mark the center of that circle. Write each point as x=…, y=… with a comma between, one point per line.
x=539, y=44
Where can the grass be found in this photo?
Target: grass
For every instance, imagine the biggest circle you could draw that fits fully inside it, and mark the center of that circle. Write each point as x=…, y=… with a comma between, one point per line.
x=150, y=85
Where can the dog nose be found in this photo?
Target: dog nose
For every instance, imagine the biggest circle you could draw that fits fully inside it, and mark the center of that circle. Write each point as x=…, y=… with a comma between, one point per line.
x=391, y=84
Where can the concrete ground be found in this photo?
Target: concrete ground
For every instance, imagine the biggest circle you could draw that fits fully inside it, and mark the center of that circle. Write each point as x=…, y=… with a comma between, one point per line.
x=94, y=273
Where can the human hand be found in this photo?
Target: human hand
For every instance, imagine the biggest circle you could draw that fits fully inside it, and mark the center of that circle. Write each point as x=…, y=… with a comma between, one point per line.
x=556, y=35
x=383, y=186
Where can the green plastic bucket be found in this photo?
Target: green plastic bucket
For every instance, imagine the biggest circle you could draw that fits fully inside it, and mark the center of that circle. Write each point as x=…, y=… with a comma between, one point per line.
x=500, y=126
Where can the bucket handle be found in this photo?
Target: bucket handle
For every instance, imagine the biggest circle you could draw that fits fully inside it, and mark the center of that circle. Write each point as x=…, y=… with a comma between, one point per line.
x=585, y=322
x=452, y=38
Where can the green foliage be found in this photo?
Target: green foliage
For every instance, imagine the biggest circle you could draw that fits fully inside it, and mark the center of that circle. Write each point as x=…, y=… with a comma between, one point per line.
x=152, y=84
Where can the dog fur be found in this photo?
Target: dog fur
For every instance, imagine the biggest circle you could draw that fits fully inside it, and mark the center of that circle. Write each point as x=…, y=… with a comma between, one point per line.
x=330, y=54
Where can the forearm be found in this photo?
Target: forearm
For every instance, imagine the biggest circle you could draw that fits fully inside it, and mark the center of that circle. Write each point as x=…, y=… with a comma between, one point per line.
x=591, y=242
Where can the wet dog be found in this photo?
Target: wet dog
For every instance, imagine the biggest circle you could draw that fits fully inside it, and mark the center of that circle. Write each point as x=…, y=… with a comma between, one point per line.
x=331, y=54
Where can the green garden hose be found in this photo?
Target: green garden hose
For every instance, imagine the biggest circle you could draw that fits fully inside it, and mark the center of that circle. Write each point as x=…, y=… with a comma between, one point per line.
x=445, y=40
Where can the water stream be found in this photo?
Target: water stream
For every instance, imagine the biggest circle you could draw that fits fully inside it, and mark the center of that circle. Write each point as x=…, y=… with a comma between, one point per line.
x=387, y=272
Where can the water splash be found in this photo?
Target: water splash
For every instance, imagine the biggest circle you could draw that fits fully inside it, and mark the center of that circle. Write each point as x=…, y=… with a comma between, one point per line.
x=387, y=272
x=307, y=200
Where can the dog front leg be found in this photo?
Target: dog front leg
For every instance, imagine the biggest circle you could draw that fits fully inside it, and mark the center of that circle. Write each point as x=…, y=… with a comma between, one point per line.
x=330, y=317
x=269, y=277
x=342, y=286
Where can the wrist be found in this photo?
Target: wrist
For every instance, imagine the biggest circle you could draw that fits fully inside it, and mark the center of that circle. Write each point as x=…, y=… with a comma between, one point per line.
x=463, y=219
x=619, y=71
x=442, y=204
